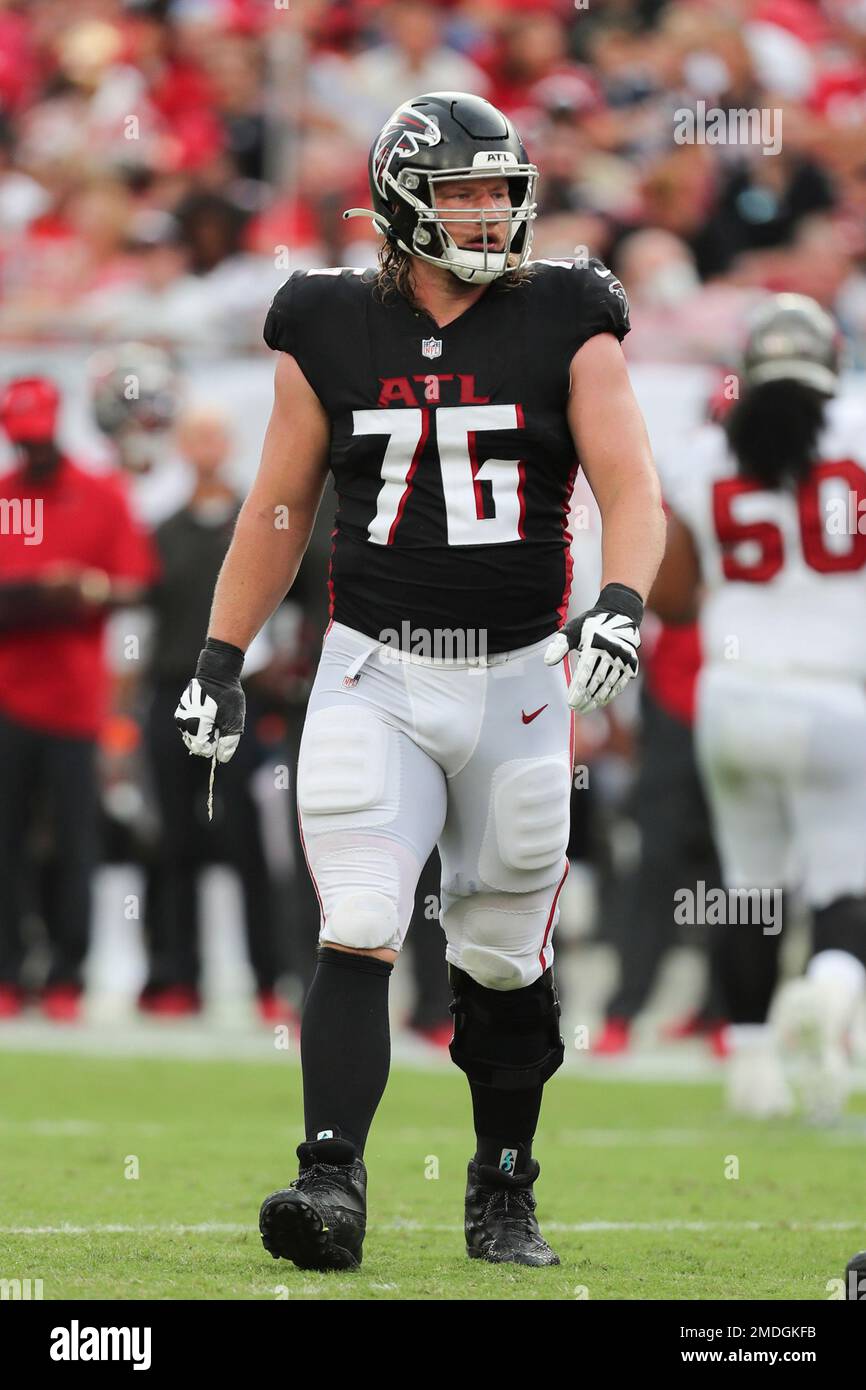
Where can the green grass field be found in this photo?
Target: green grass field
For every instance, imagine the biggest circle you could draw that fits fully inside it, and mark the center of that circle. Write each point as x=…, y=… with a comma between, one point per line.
x=633, y=1192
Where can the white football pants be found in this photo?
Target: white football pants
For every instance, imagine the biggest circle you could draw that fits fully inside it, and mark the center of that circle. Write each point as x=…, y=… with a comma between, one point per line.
x=400, y=753
x=783, y=761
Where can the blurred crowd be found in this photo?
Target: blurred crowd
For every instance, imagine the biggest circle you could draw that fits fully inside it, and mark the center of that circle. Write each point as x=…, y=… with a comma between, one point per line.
x=164, y=164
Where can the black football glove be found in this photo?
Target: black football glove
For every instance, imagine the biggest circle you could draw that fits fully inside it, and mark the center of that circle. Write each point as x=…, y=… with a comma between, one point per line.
x=210, y=713
x=606, y=639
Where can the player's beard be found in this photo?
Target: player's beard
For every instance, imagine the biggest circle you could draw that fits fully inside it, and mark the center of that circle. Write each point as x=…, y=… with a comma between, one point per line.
x=395, y=273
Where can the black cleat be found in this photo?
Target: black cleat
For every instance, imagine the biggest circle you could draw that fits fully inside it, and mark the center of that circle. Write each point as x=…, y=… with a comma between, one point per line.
x=500, y=1217
x=855, y=1278
x=319, y=1221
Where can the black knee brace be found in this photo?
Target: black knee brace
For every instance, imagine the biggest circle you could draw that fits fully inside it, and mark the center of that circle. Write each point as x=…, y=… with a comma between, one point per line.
x=841, y=927
x=506, y=1038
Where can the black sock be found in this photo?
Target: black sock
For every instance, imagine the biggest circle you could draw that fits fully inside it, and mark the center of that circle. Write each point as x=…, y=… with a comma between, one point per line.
x=505, y=1120
x=345, y=1044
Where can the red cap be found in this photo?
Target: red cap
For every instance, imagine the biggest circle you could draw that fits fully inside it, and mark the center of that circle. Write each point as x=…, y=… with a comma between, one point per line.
x=28, y=409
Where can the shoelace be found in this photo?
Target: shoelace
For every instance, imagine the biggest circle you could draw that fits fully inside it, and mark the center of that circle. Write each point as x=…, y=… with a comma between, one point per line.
x=312, y=1177
x=524, y=1201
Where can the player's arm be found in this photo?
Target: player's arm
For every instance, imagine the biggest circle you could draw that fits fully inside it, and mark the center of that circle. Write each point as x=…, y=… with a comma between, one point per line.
x=614, y=451
x=274, y=524
x=271, y=534
x=674, y=594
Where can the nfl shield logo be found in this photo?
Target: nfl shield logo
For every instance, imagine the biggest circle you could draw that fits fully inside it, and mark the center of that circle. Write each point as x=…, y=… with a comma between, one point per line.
x=431, y=347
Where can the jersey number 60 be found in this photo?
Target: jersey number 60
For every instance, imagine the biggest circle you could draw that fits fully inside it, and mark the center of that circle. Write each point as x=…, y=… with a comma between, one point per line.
x=767, y=538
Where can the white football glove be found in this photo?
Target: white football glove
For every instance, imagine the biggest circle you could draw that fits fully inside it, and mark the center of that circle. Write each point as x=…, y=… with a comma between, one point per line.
x=606, y=639
x=210, y=712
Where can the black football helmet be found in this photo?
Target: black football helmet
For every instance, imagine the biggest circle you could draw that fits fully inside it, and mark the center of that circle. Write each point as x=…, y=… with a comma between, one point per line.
x=446, y=136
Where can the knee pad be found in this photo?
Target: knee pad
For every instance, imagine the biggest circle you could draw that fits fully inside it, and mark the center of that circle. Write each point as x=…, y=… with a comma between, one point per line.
x=841, y=926
x=365, y=885
x=362, y=920
x=495, y=937
x=506, y=1039
x=528, y=824
x=495, y=970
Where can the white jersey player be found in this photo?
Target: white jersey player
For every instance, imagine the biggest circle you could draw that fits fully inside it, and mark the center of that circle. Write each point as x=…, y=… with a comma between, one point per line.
x=768, y=535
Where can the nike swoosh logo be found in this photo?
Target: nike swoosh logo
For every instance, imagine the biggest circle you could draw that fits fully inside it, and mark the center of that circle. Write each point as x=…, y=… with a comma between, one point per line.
x=602, y=274
x=528, y=718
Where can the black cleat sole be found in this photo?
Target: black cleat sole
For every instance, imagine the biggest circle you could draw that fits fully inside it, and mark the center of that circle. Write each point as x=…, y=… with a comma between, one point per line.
x=528, y=1263
x=292, y=1229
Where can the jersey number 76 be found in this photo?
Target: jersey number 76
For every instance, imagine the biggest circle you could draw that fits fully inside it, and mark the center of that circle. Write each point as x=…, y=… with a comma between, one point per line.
x=462, y=476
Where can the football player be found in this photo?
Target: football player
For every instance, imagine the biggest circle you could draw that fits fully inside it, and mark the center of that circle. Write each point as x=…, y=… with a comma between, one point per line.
x=769, y=521
x=136, y=390
x=451, y=393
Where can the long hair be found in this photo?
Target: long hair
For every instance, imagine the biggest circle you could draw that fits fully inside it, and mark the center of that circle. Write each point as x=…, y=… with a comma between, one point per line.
x=773, y=431
x=394, y=275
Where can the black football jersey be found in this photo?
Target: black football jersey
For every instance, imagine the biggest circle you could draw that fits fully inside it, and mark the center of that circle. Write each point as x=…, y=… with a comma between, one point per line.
x=452, y=458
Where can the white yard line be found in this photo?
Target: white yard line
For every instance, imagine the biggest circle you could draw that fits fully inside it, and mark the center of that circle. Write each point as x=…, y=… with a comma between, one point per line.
x=78, y=1129
x=591, y=1138
x=575, y=1228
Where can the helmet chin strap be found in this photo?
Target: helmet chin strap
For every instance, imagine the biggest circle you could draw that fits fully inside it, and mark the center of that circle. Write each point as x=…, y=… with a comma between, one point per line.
x=474, y=266
x=471, y=266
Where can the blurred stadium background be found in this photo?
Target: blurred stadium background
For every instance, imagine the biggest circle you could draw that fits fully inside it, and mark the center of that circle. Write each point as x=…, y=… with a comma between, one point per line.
x=164, y=165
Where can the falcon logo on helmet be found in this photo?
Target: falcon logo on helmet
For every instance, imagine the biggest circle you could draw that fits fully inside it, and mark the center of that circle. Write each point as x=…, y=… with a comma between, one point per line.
x=444, y=137
x=402, y=138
